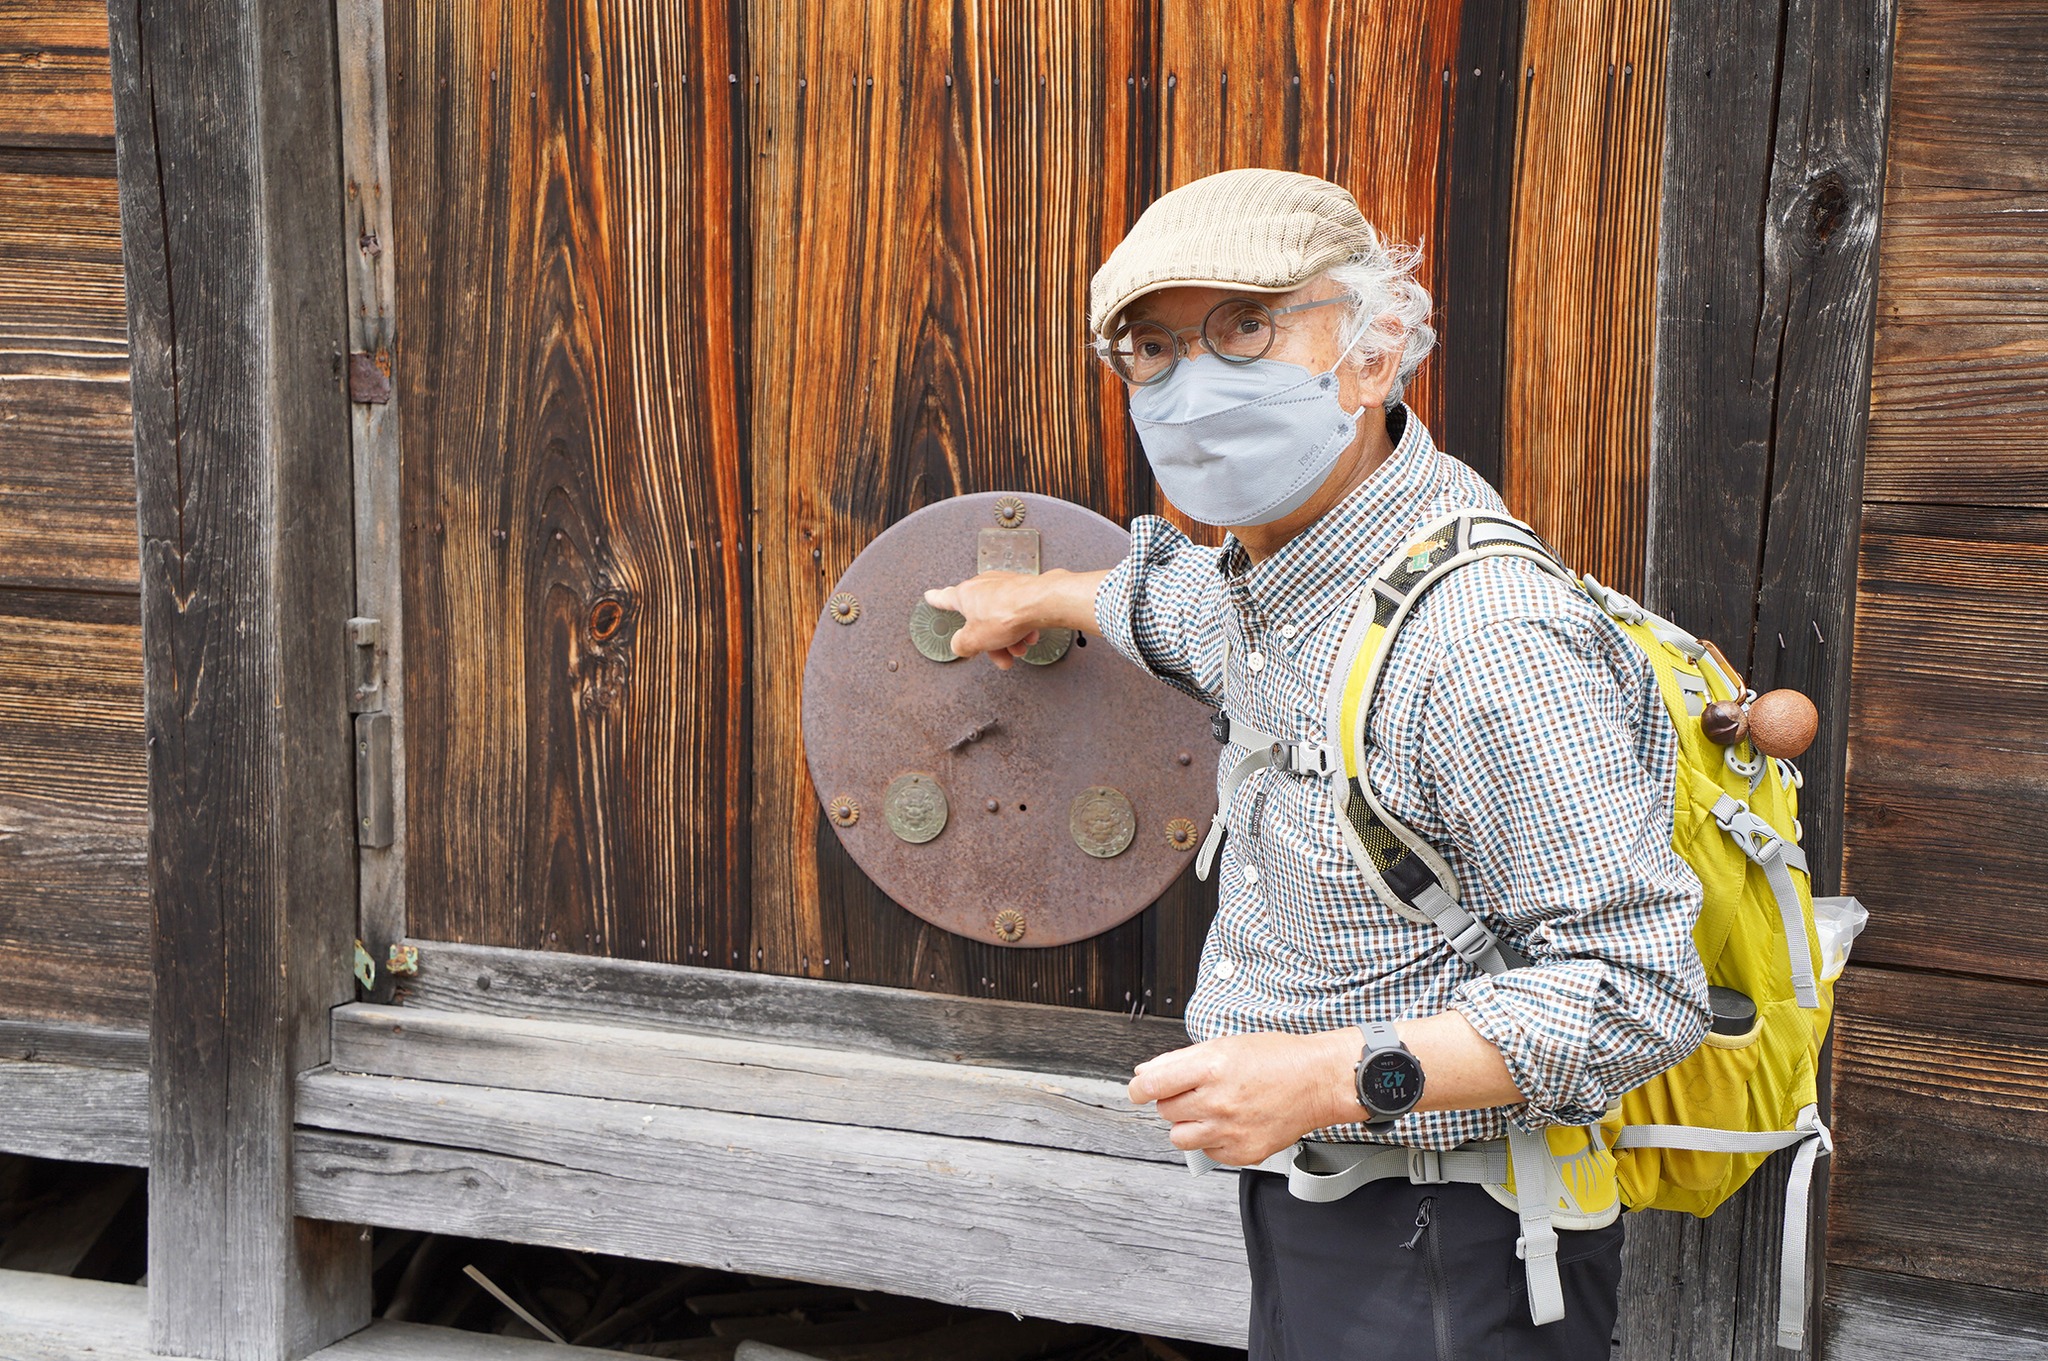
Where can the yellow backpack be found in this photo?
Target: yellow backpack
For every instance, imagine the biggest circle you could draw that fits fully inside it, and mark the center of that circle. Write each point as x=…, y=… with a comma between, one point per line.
x=1688, y=1138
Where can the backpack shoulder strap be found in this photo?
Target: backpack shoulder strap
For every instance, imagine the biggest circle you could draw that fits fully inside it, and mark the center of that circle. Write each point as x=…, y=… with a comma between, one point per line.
x=1405, y=871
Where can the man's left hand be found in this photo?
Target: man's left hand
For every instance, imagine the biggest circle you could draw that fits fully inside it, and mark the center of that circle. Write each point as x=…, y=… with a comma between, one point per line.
x=1243, y=1098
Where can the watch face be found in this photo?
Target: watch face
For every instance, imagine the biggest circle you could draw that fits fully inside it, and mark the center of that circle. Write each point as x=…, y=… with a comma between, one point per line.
x=1391, y=1083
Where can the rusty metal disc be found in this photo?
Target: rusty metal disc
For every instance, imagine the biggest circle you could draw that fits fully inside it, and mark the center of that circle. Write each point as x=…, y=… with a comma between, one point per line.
x=1061, y=782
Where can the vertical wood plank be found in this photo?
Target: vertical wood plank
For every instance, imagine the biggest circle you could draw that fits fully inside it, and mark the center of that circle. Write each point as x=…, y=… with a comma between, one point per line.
x=1474, y=234
x=367, y=239
x=1583, y=285
x=226, y=142
x=571, y=346
x=1765, y=294
x=1358, y=93
x=932, y=191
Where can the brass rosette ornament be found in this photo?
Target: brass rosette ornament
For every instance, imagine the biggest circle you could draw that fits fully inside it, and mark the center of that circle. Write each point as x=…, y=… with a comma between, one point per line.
x=1026, y=807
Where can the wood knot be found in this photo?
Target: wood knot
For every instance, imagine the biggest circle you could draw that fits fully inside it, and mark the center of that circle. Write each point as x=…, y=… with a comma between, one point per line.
x=607, y=617
x=1828, y=204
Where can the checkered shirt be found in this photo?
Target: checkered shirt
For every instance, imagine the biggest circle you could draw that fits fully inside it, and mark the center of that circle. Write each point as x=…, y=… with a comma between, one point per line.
x=1516, y=728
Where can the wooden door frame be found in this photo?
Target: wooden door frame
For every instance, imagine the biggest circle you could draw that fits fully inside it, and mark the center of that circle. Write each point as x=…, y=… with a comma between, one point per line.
x=226, y=141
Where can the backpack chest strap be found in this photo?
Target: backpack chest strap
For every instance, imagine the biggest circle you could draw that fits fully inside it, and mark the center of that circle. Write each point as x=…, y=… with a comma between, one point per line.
x=1318, y=759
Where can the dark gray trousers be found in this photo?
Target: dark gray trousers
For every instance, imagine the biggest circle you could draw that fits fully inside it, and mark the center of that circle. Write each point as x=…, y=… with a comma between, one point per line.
x=1339, y=1281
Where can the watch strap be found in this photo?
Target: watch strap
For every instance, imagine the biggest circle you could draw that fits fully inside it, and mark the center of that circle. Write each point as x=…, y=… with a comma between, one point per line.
x=1379, y=1035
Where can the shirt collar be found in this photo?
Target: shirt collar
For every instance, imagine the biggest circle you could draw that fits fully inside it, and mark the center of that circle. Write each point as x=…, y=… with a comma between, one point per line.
x=1333, y=557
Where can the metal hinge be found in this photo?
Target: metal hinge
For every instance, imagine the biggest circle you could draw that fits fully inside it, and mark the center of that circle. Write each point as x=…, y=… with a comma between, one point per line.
x=373, y=733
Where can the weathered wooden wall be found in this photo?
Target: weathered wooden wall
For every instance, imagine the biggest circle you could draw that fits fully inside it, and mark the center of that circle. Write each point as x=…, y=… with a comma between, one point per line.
x=691, y=308
x=74, y=911
x=1942, y=1070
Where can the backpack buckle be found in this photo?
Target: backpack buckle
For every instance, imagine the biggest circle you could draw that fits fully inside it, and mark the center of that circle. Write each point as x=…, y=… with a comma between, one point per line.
x=1757, y=838
x=1304, y=758
x=1426, y=1167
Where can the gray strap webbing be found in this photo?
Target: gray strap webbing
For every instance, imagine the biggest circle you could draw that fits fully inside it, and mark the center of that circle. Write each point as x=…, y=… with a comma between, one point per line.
x=1297, y=758
x=1813, y=1141
x=1536, y=1191
x=1468, y=935
x=1777, y=858
x=1323, y=1172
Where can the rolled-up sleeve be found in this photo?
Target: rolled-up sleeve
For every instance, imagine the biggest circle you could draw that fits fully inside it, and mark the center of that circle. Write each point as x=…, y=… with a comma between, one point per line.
x=1555, y=779
x=1161, y=607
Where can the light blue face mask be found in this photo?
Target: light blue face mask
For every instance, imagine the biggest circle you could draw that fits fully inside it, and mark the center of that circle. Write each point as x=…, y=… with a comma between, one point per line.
x=1242, y=444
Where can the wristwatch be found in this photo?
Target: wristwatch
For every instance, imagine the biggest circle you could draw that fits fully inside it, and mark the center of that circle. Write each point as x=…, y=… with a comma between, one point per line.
x=1389, y=1077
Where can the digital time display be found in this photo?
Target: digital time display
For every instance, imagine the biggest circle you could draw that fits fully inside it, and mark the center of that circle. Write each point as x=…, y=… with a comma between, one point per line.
x=1391, y=1083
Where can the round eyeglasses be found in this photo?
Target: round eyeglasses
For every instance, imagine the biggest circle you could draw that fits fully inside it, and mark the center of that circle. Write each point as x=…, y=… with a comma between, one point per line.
x=1236, y=330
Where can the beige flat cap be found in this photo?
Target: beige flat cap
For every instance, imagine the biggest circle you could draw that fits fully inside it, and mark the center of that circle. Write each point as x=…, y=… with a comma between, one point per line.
x=1268, y=231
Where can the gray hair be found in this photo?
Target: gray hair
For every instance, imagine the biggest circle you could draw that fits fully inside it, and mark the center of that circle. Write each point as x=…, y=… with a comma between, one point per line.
x=1389, y=311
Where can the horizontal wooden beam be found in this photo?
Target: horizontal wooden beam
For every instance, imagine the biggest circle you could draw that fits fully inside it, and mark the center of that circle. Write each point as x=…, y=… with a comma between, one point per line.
x=85, y=1045
x=919, y=1025
x=1878, y=1316
x=751, y=1077
x=1071, y=1236
x=74, y=1112
x=57, y=1318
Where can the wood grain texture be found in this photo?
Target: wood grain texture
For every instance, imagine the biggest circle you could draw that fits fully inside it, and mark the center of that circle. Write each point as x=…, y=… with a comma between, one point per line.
x=748, y=1076
x=896, y=1021
x=374, y=435
x=67, y=463
x=227, y=144
x=74, y=812
x=1970, y=109
x=1071, y=1236
x=1957, y=405
x=1361, y=94
x=570, y=356
x=931, y=191
x=55, y=88
x=1948, y=773
x=1957, y=411
x=1765, y=302
x=1583, y=288
x=1941, y=1100
x=74, y=1112
x=1879, y=1316
x=1763, y=350
x=84, y=1046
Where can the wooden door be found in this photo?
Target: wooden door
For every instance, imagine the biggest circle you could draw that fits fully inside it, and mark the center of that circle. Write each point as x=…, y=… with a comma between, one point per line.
x=695, y=299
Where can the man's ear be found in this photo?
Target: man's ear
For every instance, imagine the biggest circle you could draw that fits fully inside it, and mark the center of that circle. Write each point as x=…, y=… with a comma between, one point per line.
x=1374, y=374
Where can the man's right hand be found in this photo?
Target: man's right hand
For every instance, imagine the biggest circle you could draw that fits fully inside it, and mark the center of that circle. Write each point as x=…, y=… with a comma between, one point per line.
x=1005, y=610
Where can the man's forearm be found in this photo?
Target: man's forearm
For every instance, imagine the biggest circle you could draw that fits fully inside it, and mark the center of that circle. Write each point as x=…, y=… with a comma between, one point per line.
x=1068, y=601
x=1004, y=609
x=1461, y=1068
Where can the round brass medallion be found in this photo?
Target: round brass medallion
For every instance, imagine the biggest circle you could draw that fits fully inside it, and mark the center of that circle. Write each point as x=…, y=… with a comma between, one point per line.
x=1102, y=822
x=932, y=630
x=915, y=807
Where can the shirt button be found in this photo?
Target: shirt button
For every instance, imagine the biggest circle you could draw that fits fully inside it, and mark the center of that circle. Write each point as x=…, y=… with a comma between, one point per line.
x=1225, y=966
x=1251, y=874
x=1256, y=661
x=1288, y=630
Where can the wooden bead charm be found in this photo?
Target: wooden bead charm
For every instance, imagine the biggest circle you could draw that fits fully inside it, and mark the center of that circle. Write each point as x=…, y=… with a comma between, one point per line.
x=1782, y=723
x=1724, y=722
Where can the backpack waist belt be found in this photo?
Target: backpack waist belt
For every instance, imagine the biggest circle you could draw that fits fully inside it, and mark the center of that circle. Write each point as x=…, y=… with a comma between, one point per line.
x=1325, y=1172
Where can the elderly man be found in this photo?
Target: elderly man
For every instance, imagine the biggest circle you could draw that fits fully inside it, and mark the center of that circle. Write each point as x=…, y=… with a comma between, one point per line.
x=1265, y=334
